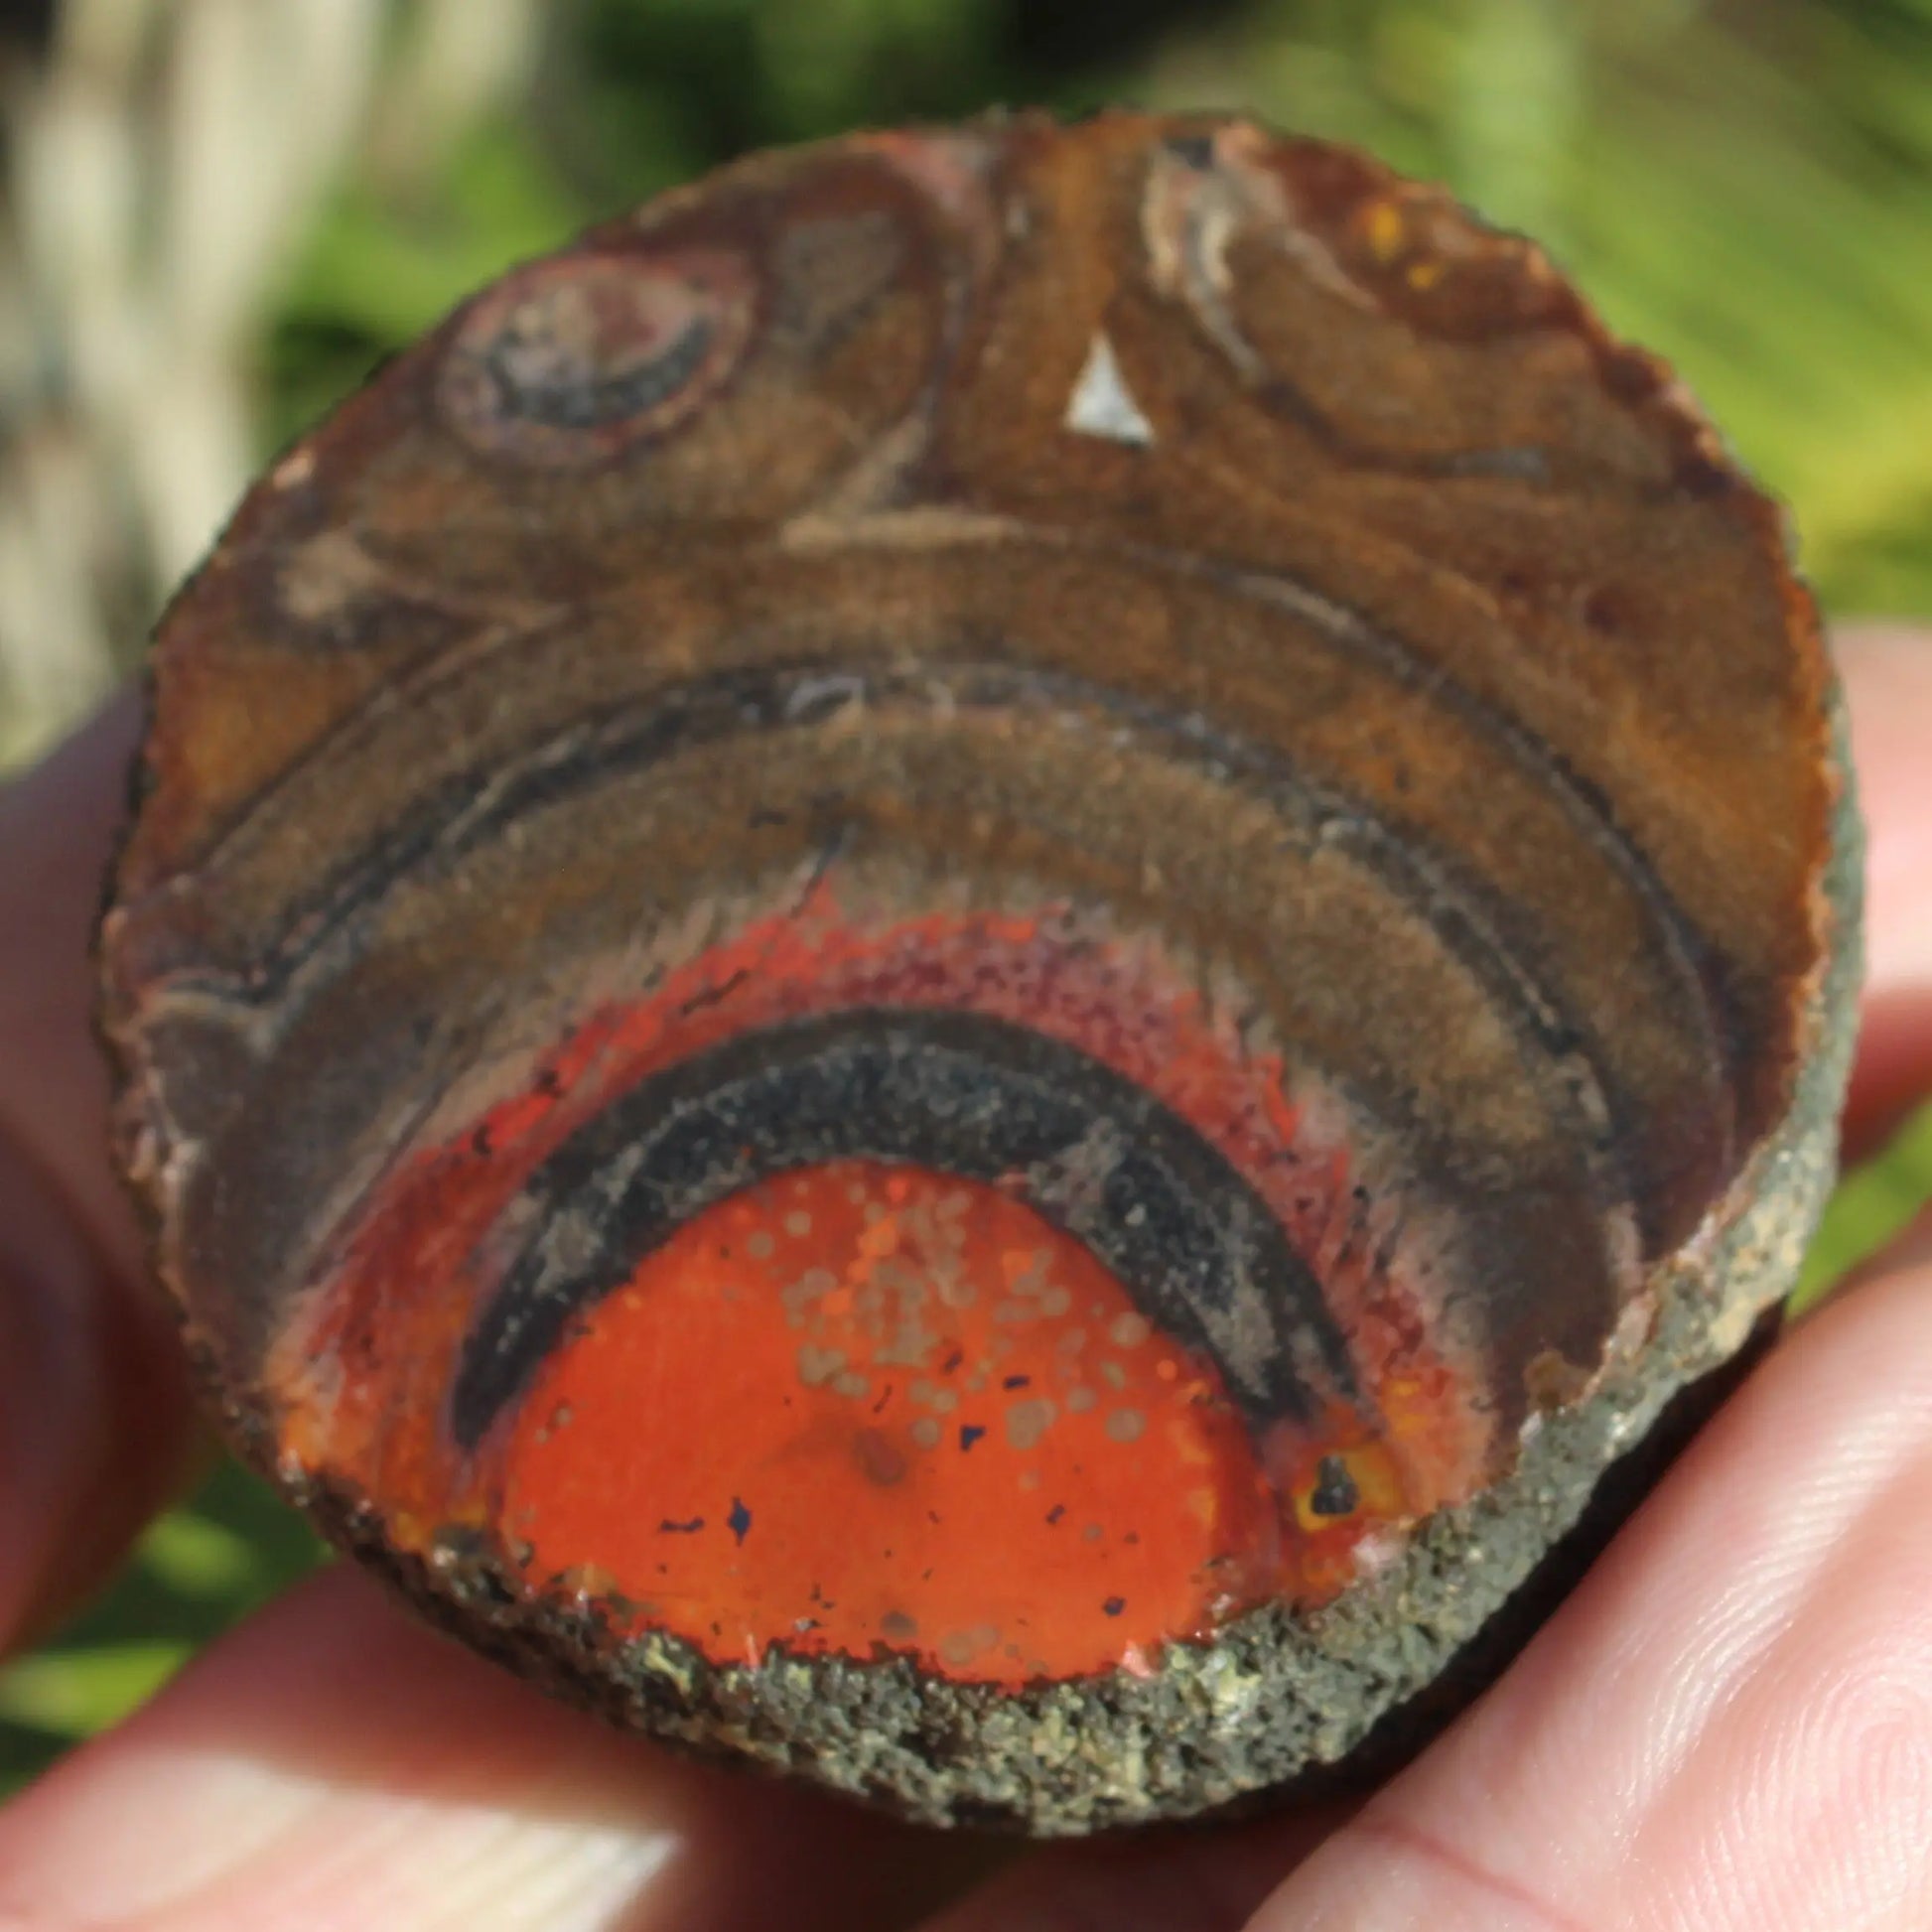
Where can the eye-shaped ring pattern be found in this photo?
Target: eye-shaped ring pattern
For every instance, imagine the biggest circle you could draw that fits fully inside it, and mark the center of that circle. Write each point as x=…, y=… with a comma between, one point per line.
x=570, y=362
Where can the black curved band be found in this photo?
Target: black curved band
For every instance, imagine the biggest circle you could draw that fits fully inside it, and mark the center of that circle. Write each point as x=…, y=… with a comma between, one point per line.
x=1186, y=1235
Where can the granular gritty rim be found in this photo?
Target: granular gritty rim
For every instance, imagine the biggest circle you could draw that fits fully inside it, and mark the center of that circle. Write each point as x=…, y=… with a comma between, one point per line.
x=1145, y=712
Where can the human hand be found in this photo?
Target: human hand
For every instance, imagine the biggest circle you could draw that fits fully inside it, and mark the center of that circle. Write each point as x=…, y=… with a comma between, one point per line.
x=1728, y=1727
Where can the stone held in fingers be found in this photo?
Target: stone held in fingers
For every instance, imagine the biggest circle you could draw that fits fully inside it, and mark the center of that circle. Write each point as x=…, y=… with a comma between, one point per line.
x=959, y=966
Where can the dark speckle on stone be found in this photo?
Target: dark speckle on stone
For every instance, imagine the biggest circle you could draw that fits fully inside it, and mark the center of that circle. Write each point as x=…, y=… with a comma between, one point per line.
x=1335, y=1493
x=1114, y=1605
x=739, y=1520
x=669, y=1528
x=969, y=1434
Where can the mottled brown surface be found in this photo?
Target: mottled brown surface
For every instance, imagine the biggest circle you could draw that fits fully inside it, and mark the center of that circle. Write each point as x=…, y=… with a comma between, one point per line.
x=1206, y=531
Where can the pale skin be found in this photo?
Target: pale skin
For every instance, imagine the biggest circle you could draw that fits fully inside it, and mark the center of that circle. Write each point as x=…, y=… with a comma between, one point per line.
x=1726, y=1728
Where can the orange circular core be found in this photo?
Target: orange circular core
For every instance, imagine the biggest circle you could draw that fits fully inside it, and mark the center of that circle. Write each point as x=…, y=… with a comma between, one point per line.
x=867, y=1406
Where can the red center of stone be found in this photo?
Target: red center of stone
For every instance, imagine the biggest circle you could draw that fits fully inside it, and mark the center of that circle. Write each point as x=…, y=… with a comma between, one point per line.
x=870, y=1406
x=865, y=1405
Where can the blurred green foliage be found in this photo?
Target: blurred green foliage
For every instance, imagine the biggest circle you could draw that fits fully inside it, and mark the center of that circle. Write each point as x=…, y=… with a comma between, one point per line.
x=1745, y=187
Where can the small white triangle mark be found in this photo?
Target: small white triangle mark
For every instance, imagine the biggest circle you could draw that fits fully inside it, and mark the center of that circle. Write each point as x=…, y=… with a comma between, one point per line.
x=1100, y=404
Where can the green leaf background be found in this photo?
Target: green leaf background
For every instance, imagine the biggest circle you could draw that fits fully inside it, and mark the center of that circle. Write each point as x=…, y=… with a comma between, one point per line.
x=1745, y=187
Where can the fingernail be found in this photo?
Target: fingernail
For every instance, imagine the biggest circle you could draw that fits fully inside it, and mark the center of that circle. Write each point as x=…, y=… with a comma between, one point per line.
x=54, y=1429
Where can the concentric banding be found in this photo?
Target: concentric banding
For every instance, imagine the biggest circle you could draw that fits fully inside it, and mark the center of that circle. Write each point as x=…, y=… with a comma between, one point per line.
x=967, y=911
x=955, y=1094
x=569, y=366
x=1269, y=1222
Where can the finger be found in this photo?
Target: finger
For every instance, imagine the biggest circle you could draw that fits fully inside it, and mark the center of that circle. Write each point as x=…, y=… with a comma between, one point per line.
x=1192, y=1879
x=331, y=1767
x=57, y=829
x=1729, y=1727
x=94, y=1410
x=1889, y=680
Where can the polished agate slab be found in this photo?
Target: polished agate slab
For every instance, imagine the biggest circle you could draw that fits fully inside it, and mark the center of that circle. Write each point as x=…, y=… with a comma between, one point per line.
x=960, y=965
